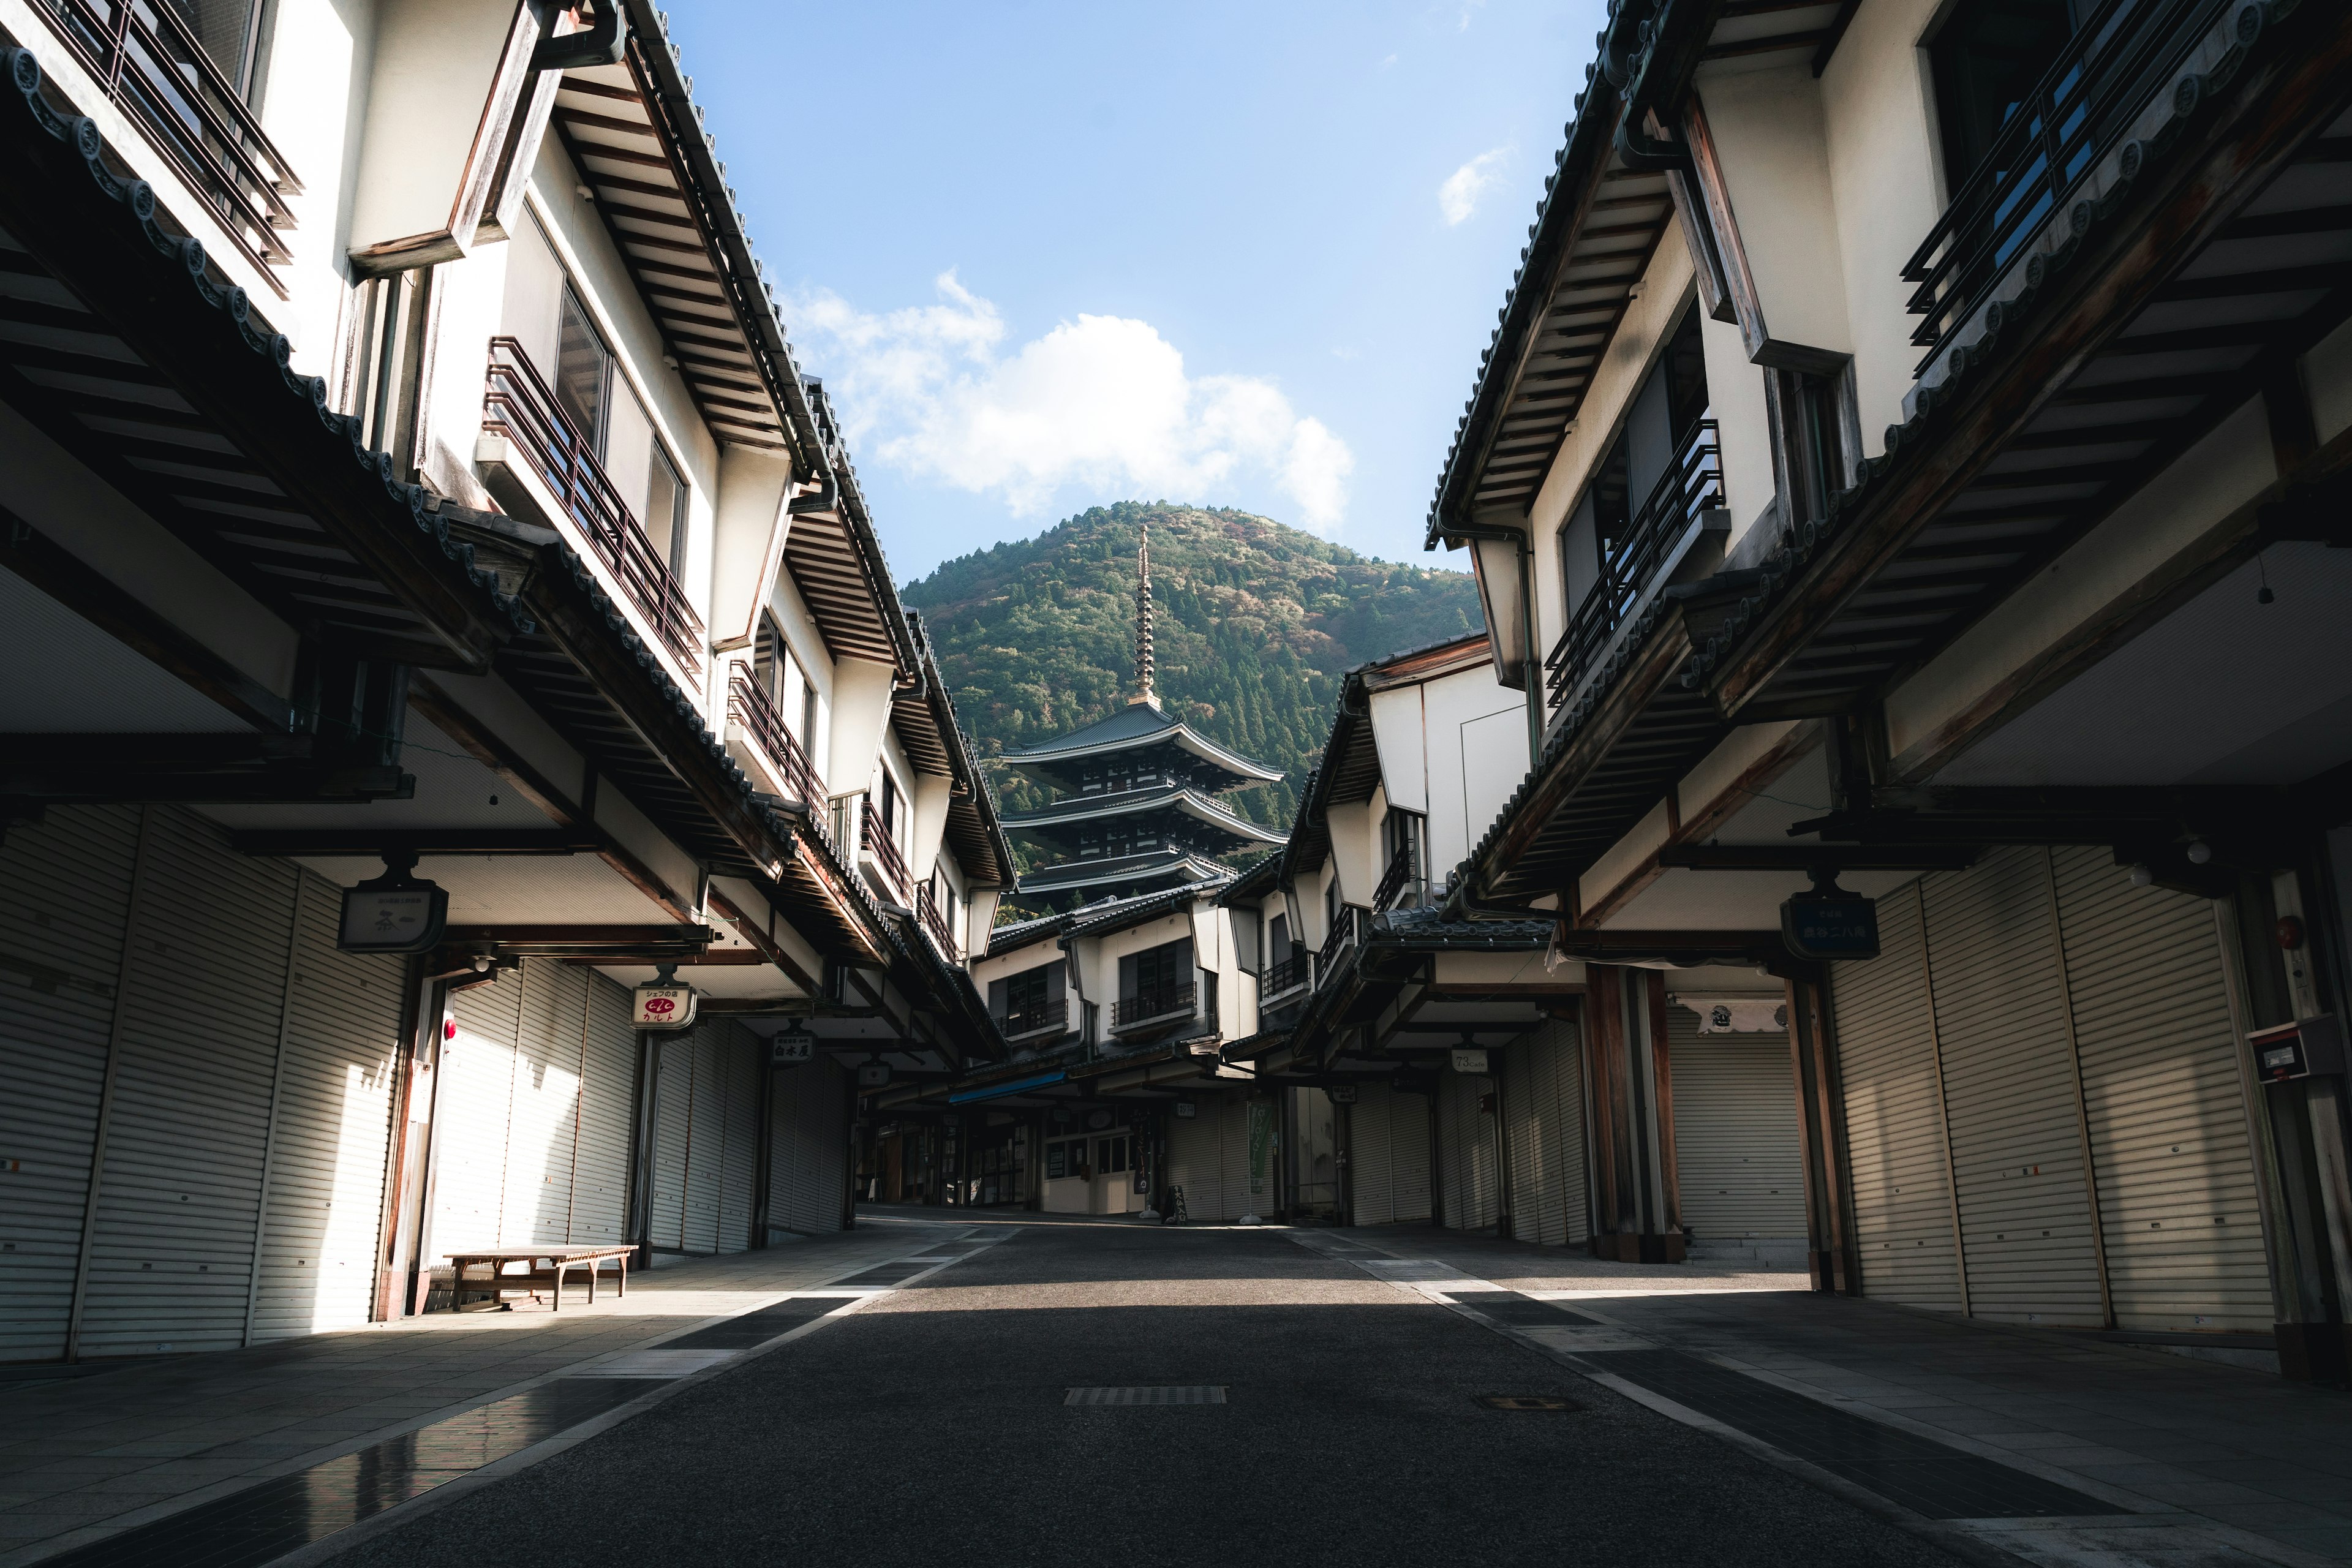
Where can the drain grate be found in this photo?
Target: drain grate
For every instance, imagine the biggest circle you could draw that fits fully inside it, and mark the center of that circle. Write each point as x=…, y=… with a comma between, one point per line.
x=1204, y=1394
x=1921, y=1474
x=1526, y=1402
x=754, y=1328
x=1520, y=1311
x=266, y=1521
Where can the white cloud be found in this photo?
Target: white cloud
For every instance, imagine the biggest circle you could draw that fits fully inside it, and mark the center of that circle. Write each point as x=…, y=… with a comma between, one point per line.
x=1458, y=197
x=1102, y=404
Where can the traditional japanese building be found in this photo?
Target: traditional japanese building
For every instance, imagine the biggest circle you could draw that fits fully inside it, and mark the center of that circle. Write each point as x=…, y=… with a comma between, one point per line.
x=1138, y=809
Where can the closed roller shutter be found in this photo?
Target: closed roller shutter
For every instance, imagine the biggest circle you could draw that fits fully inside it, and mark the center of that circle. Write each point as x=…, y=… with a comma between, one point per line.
x=706, y=1139
x=1195, y=1159
x=1372, y=1173
x=332, y=1127
x=739, y=1172
x=179, y=1199
x=820, y=1186
x=543, y=1121
x=1234, y=1161
x=1551, y=1208
x=1410, y=1154
x=788, y=1158
x=1735, y=1139
x=2178, y=1217
x=60, y=974
x=1894, y=1115
x=608, y=1098
x=471, y=1108
x=673, y=1113
x=1522, y=1133
x=2010, y=1093
x=1466, y=1148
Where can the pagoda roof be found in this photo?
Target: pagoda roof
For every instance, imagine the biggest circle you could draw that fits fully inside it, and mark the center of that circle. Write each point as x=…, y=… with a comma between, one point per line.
x=1158, y=865
x=1137, y=727
x=1074, y=809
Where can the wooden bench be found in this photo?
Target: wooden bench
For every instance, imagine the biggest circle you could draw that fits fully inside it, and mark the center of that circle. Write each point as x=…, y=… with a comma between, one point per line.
x=546, y=1265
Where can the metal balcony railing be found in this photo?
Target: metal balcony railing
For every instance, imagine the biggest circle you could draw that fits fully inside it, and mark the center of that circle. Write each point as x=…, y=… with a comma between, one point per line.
x=152, y=67
x=519, y=407
x=749, y=704
x=935, y=925
x=1692, y=484
x=1151, y=1006
x=1398, y=886
x=880, y=848
x=1045, y=1016
x=2124, y=54
x=1346, y=932
x=1286, y=974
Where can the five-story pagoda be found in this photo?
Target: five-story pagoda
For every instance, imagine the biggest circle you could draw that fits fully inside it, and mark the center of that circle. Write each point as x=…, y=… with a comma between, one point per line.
x=1136, y=809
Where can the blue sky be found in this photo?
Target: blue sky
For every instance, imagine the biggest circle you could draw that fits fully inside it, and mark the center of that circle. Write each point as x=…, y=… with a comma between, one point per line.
x=1049, y=255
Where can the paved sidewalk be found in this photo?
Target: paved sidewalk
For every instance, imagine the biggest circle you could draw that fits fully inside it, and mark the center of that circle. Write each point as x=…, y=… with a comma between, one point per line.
x=82, y=1457
x=2157, y=1433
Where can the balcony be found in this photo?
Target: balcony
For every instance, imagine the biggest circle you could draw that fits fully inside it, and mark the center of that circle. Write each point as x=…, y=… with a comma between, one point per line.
x=520, y=407
x=2126, y=52
x=1650, y=543
x=1347, y=932
x=934, y=922
x=1398, y=888
x=749, y=704
x=1044, y=1019
x=891, y=880
x=149, y=63
x=1163, y=1005
x=1285, y=975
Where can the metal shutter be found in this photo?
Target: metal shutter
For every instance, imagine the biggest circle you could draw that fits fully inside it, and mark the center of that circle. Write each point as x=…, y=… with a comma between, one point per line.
x=1466, y=1146
x=471, y=1109
x=706, y=1134
x=822, y=1185
x=2010, y=1092
x=179, y=1198
x=1410, y=1154
x=1736, y=1137
x=739, y=1075
x=1522, y=1133
x=1234, y=1161
x=60, y=976
x=2179, y=1221
x=791, y=1159
x=544, y=1124
x=1194, y=1159
x=1894, y=1114
x=608, y=1096
x=1555, y=1203
x=673, y=1112
x=1372, y=1173
x=329, y=1137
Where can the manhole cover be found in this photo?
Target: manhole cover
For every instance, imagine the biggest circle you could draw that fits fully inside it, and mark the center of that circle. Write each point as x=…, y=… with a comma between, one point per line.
x=1526, y=1402
x=1212, y=1394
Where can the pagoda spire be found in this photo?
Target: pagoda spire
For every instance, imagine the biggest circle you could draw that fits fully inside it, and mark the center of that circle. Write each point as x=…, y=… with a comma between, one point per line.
x=1143, y=692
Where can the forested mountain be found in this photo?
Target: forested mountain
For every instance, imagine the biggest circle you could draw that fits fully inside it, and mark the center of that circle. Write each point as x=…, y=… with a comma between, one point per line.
x=1254, y=623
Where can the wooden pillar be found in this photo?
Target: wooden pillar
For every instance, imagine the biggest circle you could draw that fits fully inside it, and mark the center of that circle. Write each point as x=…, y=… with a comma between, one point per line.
x=1670, y=1193
x=1820, y=1122
x=1630, y=1098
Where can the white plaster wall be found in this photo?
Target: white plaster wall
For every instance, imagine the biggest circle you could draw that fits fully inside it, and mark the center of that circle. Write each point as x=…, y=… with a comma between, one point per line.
x=1767, y=127
x=1888, y=184
x=1666, y=287
x=1477, y=744
x=317, y=61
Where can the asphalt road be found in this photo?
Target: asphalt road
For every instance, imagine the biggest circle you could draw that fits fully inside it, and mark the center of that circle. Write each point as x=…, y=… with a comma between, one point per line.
x=929, y=1427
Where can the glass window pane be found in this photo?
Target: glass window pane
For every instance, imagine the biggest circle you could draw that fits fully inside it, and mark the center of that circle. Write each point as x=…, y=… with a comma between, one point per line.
x=582, y=372
x=665, y=508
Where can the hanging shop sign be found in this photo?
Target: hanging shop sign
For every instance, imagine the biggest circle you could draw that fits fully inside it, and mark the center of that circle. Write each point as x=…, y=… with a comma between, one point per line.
x=1342, y=1093
x=1098, y=1119
x=1737, y=1015
x=1829, y=922
x=1471, y=1059
x=873, y=1075
x=791, y=1048
x=2290, y=1051
x=663, y=1004
x=394, y=914
x=1261, y=1144
x=1186, y=1109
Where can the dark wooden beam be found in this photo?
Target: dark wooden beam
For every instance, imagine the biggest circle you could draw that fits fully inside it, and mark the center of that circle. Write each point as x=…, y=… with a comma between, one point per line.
x=1824, y=857
x=313, y=841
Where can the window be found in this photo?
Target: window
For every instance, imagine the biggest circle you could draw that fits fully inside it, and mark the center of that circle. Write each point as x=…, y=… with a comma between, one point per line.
x=1157, y=981
x=229, y=32
x=1331, y=904
x=1114, y=1156
x=583, y=371
x=1277, y=940
x=665, y=508
x=1814, y=440
x=1986, y=59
